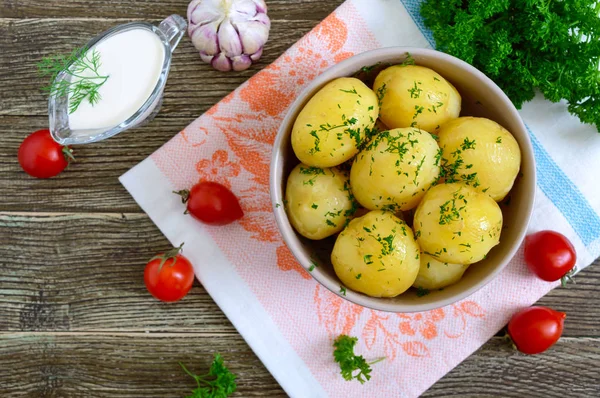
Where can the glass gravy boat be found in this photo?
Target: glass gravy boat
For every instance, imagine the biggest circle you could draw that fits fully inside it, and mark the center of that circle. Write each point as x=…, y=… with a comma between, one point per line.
x=170, y=32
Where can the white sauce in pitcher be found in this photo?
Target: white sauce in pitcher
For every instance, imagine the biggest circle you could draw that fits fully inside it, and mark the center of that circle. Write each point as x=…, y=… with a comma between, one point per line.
x=133, y=61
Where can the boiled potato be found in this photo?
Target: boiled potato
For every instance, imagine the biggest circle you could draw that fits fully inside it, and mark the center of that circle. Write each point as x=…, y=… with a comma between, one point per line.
x=318, y=201
x=395, y=170
x=457, y=224
x=415, y=96
x=334, y=123
x=377, y=255
x=480, y=153
x=434, y=274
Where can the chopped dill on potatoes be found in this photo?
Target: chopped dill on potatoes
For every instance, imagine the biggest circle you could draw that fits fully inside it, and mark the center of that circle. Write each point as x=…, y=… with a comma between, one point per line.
x=467, y=144
x=358, y=276
x=315, y=206
x=422, y=292
x=499, y=140
x=415, y=91
x=418, y=111
x=312, y=170
x=317, y=143
x=342, y=290
x=367, y=259
x=353, y=91
x=381, y=93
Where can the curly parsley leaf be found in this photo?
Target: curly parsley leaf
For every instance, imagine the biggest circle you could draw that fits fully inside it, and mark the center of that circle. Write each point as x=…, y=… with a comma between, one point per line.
x=219, y=382
x=352, y=366
x=526, y=45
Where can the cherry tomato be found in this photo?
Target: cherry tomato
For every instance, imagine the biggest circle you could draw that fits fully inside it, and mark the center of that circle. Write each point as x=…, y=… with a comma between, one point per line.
x=169, y=276
x=535, y=329
x=42, y=157
x=550, y=256
x=212, y=203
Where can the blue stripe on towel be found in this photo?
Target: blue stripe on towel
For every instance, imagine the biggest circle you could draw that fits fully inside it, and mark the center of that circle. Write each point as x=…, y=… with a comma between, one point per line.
x=551, y=179
x=565, y=195
x=413, y=7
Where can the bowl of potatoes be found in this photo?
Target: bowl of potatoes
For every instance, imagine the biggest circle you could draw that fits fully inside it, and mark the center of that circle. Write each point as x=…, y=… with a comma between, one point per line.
x=403, y=179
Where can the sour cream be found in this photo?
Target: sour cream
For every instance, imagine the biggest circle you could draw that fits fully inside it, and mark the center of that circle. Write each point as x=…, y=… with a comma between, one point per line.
x=133, y=61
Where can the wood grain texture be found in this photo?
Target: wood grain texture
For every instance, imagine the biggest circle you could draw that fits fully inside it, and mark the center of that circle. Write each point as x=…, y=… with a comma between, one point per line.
x=123, y=365
x=193, y=86
x=569, y=369
x=83, y=272
x=75, y=317
x=72, y=272
x=91, y=183
x=144, y=9
x=135, y=365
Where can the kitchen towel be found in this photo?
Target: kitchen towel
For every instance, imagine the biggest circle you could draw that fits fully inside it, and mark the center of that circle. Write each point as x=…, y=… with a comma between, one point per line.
x=287, y=318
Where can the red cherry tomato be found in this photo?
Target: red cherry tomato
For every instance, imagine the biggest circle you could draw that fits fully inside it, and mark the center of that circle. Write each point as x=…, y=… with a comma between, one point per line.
x=42, y=157
x=212, y=203
x=169, y=276
x=535, y=329
x=550, y=256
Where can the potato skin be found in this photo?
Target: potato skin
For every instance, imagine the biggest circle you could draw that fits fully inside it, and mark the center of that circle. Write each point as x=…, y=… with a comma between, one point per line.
x=457, y=224
x=411, y=95
x=318, y=201
x=334, y=123
x=434, y=274
x=480, y=153
x=396, y=169
x=377, y=255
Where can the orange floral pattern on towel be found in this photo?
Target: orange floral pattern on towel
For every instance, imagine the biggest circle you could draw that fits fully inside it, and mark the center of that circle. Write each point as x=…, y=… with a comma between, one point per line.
x=231, y=144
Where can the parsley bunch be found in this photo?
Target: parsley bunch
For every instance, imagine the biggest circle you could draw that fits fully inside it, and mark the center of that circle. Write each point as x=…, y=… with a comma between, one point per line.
x=524, y=45
x=350, y=362
x=219, y=382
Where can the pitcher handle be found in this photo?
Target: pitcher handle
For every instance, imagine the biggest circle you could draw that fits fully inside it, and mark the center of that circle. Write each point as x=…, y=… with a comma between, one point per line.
x=173, y=28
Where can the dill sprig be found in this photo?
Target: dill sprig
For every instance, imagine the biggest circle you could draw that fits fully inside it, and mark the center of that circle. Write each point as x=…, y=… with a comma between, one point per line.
x=85, y=82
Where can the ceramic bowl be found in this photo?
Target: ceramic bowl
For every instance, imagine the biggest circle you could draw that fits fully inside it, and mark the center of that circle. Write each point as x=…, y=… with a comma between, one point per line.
x=481, y=97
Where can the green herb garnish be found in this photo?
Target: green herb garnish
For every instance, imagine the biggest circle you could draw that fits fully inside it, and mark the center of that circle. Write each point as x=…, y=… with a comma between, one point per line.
x=219, y=382
x=352, y=366
x=524, y=46
x=85, y=80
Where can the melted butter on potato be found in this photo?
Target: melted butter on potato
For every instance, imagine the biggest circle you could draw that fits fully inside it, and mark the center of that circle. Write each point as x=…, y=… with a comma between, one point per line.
x=480, y=153
x=318, y=201
x=457, y=224
x=377, y=255
x=435, y=274
x=335, y=122
x=395, y=170
x=415, y=96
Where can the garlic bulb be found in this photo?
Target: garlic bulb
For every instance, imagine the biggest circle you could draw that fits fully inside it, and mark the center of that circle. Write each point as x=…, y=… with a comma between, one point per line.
x=230, y=34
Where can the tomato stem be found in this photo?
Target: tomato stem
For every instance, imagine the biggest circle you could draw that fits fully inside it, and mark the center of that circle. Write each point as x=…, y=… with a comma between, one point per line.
x=568, y=277
x=68, y=154
x=510, y=340
x=169, y=254
x=185, y=195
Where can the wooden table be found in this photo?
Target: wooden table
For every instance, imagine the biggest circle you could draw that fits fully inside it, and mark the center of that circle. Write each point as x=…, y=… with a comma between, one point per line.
x=75, y=317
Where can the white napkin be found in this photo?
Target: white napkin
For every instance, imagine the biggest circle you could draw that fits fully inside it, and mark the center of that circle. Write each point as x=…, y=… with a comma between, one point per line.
x=287, y=318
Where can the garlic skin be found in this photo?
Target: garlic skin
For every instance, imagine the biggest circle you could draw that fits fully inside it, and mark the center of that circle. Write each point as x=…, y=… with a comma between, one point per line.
x=230, y=34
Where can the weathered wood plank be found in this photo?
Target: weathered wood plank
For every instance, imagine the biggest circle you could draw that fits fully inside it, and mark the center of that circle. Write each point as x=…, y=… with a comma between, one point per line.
x=193, y=86
x=135, y=365
x=278, y=9
x=569, y=369
x=82, y=272
x=119, y=366
x=91, y=183
x=75, y=272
